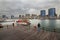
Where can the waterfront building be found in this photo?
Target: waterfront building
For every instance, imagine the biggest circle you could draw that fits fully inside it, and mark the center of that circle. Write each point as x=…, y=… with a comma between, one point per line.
x=38, y=16
x=43, y=13
x=33, y=16
x=3, y=16
x=12, y=16
x=20, y=16
x=27, y=16
x=59, y=17
x=51, y=12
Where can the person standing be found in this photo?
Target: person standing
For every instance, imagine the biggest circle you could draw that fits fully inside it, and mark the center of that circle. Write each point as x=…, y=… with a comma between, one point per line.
x=39, y=27
x=13, y=24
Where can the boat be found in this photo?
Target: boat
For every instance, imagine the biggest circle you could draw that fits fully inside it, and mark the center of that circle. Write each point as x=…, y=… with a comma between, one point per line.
x=23, y=22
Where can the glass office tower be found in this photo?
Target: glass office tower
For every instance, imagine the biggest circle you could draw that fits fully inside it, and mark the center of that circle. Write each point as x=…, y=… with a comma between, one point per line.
x=43, y=13
x=51, y=12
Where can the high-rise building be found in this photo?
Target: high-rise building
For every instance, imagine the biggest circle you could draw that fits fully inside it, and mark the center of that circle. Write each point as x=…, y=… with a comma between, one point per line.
x=43, y=13
x=51, y=12
x=12, y=16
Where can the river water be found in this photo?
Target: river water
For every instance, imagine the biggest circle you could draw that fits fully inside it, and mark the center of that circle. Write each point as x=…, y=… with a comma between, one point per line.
x=47, y=24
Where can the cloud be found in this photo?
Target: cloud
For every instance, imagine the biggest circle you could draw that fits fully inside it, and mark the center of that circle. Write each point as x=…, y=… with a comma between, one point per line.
x=26, y=6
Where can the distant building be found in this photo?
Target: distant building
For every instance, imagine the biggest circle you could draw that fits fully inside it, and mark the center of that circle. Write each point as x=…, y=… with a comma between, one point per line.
x=27, y=16
x=3, y=16
x=51, y=12
x=12, y=16
x=43, y=13
x=38, y=16
x=59, y=17
x=33, y=16
x=20, y=16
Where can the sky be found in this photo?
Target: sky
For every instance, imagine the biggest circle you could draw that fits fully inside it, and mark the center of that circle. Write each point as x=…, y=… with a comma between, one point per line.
x=16, y=7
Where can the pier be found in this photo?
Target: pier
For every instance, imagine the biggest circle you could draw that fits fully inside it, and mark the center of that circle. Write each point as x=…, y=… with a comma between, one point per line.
x=23, y=33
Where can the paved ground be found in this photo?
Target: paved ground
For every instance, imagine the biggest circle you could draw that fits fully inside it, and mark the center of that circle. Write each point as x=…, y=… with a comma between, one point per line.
x=26, y=33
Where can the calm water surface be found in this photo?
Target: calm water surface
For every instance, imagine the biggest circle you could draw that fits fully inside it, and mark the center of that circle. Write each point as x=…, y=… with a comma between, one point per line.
x=49, y=25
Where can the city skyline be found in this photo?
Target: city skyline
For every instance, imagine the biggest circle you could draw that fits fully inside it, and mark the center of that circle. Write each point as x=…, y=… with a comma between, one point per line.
x=11, y=7
x=51, y=11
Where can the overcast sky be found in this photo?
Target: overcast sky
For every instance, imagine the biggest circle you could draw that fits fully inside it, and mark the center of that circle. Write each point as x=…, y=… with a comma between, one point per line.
x=11, y=7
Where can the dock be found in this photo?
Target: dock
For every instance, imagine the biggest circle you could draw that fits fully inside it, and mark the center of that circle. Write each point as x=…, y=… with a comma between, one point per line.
x=22, y=33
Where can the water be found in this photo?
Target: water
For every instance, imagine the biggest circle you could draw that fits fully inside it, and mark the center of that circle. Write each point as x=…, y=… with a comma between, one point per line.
x=48, y=25
x=6, y=23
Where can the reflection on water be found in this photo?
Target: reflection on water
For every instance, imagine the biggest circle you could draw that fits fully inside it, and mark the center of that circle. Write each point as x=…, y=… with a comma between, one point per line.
x=47, y=24
x=50, y=25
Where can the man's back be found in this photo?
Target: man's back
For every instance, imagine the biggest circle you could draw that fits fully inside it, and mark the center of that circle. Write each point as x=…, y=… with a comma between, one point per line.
x=38, y=25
